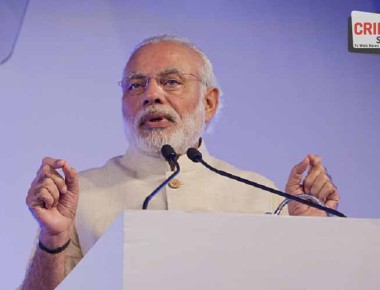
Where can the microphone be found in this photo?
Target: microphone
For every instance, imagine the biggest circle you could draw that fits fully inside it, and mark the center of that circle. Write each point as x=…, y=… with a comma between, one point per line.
x=168, y=152
x=196, y=156
x=170, y=156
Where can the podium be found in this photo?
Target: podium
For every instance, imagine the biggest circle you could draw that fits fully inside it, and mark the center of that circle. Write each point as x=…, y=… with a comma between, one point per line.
x=182, y=250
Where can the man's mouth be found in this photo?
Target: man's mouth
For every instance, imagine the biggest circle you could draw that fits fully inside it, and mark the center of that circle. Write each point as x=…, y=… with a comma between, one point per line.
x=155, y=120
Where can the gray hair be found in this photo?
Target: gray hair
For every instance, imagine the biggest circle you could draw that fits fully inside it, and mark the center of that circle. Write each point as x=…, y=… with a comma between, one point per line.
x=207, y=74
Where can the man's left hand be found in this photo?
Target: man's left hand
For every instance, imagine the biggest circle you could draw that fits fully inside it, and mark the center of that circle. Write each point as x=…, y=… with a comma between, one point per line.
x=317, y=183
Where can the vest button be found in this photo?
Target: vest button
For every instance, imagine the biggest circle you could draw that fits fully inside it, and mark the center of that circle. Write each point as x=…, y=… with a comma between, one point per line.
x=174, y=183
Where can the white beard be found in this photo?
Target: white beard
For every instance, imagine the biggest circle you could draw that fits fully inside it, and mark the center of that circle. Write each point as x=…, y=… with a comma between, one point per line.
x=185, y=133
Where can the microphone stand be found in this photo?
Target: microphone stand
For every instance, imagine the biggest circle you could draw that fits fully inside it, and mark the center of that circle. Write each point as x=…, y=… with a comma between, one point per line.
x=170, y=156
x=195, y=156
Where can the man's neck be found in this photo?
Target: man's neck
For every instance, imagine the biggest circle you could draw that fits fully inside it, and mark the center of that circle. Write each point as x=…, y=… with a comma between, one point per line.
x=196, y=145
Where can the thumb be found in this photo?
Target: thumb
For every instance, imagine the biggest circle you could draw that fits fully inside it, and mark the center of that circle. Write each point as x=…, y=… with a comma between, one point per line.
x=71, y=178
x=68, y=202
x=295, y=176
x=314, y=159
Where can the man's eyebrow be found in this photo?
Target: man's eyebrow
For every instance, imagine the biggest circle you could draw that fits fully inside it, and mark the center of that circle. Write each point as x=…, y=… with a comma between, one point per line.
x=135, y=75
x=170, y=70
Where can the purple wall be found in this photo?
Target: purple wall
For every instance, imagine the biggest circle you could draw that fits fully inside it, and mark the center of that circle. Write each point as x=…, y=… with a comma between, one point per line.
x=290, y=88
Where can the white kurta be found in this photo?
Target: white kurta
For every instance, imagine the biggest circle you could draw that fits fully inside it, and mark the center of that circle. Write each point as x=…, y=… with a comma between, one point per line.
x=125, y=181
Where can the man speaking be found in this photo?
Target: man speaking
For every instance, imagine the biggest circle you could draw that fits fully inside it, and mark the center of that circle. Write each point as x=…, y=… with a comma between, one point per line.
x=170, y=95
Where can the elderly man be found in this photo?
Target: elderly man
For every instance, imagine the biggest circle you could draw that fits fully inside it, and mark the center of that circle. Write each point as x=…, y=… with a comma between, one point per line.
x=169, y=96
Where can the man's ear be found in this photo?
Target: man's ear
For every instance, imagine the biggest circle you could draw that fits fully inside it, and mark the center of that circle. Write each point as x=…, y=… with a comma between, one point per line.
x=211, y=100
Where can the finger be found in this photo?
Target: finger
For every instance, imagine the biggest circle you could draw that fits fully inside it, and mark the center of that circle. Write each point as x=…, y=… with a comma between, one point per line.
x=71, y=177
x=50, y=185
x=297, y=171
x=48, y=172
x=333, y=200
x=54, y=163
x=43, y=198
x=48, y=162
x=311, y=177
x=314, y=159
x=326, y=192
x=318, y=184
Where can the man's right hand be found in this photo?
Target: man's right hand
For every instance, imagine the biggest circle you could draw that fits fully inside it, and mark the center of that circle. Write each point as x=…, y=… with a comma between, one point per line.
x=53, y=201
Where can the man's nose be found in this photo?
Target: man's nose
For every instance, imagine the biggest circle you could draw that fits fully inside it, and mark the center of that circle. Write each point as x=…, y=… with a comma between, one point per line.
x=153, y=93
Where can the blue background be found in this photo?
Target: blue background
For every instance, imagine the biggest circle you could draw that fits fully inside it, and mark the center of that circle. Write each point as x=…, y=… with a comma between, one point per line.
x=290, y=88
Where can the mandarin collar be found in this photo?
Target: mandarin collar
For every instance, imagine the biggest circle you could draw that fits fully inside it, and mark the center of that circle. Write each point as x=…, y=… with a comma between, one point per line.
x=153, y=165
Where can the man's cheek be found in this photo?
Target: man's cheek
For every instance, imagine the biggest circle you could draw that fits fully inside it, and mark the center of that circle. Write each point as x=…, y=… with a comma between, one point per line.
x=128, y=113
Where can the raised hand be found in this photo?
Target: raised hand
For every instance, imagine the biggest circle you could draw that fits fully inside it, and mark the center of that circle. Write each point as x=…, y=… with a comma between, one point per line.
x=53, y=200
x=317, y=183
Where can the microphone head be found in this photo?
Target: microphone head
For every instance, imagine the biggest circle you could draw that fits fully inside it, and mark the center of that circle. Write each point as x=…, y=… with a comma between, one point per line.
x=194, y=155
x=168, y=152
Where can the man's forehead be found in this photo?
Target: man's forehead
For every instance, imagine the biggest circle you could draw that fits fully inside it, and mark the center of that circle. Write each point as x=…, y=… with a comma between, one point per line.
x=164, y=71
x=163, y=56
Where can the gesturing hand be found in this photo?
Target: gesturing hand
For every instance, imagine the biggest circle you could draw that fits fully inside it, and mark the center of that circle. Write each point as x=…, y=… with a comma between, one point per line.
x=317, y=183
x=53, y=199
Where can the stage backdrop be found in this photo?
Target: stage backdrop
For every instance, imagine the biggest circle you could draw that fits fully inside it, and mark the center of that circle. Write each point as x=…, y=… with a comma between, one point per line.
x=290, y=88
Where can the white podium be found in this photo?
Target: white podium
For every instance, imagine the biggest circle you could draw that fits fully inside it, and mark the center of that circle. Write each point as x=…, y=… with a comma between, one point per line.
x=179, y=250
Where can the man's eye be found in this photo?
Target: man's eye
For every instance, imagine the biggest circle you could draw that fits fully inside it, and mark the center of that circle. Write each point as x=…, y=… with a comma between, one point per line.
x=172, y=82
x=135, y=86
